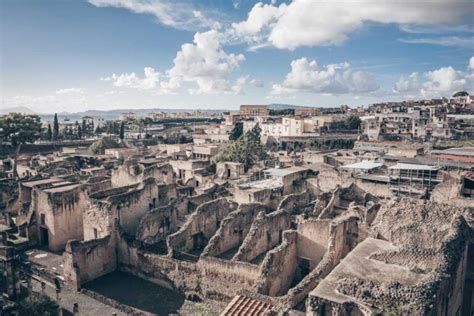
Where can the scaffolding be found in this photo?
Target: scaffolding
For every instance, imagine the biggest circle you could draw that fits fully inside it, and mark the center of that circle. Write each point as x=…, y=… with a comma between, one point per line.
x=413, y=179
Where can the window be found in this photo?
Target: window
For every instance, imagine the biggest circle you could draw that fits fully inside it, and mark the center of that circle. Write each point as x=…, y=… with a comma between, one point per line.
x=42, y=219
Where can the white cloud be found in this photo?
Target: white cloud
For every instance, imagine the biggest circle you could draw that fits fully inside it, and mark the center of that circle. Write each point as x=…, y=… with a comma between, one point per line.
x=436, y=83
x=180, y=15
x=327, y=22
x=69, y=91
x=308, y=76
x=257, y=83
x=258, y=17
x=408, y=84
x=149, y=81
x=204, y=63
x=50, y=103
x=442, y=81
x=238, y=87
x=466, y=42
x=436, y=29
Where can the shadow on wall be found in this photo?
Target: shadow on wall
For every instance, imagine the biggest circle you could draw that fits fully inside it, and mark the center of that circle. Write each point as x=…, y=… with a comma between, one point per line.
x=135, y=292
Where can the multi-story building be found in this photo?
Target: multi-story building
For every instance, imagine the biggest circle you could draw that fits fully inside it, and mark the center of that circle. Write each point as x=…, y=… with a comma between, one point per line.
x=307, y=112
x=128, y=116
x=254, y=110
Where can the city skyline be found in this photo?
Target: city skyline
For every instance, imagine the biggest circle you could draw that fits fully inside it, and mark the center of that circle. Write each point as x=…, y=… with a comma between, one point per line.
x=71, y=56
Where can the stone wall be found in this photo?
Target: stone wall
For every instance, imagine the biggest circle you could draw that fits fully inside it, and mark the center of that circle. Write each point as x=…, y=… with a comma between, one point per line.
x=266, y=232
x=63, y=216
x=133, y=204
x=99, y=183
x=222, y=279
x=294, y=202
x=125, y=175
x=157, y=224
x=98, y=220
x=234, y=228
x=204, y=221
x=449, y=192
x=87, y=260
x=209, y=277
x=313, y=240
x=279, y=266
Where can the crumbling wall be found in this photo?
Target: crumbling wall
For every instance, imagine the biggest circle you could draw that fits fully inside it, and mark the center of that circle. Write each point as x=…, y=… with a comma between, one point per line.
x=63, y=216
x=431, y=238
x=378, y=189
x=266, y=232
x=328, y=210
x=294, y=202
x=313, y=240
x=279, y=266
x=234, y=228
x=166, y=193
x=210, y=277
x=157, y=224
x=329, y=178
x=448, y=192
x=162, y=173
x=99, y=183
x=87, y=260
x=125, y=175
x=296, y=182
x=133, y=204
x=222, y=279
x=204, y=221
x=98, y=220
x=345, y=234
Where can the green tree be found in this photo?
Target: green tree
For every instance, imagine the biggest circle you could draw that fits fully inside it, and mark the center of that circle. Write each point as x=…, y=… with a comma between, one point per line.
x=79, y=131
x=98, y=130
x=37, y=305
x=237, y=131
x=18, y=129
x=352, y=122
x=122, y=132
x=106, y=142
x=84, y=128
x=49, y=133
x=55, y=127
x=248, y=149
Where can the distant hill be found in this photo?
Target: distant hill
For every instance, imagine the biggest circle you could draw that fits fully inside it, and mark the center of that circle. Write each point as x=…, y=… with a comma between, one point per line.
x=18, y=109
x=113, y=114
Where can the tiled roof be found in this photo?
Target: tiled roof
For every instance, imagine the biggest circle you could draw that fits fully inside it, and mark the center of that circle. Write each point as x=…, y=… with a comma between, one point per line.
x=243, y=305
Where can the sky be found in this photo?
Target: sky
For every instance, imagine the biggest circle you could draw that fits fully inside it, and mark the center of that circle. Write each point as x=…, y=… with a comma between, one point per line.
x=76, y=55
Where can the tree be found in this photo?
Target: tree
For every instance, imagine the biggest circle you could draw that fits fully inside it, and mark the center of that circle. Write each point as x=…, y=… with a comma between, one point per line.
x=37, y=305
x=84, y=127
x=237, y=131
x=98, y=130
x=55, y=127
x=248, y=149
x=18, y=129
x=79, y=131
x=102, y=144
x=49, y=133
x=352, y=122
x=122, y=132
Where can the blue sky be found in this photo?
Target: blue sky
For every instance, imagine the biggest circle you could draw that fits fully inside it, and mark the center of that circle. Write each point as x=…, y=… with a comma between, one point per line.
x=73, y=55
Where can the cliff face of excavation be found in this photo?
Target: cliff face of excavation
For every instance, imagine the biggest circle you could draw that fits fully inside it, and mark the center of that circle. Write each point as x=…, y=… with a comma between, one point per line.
x=430, y=240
